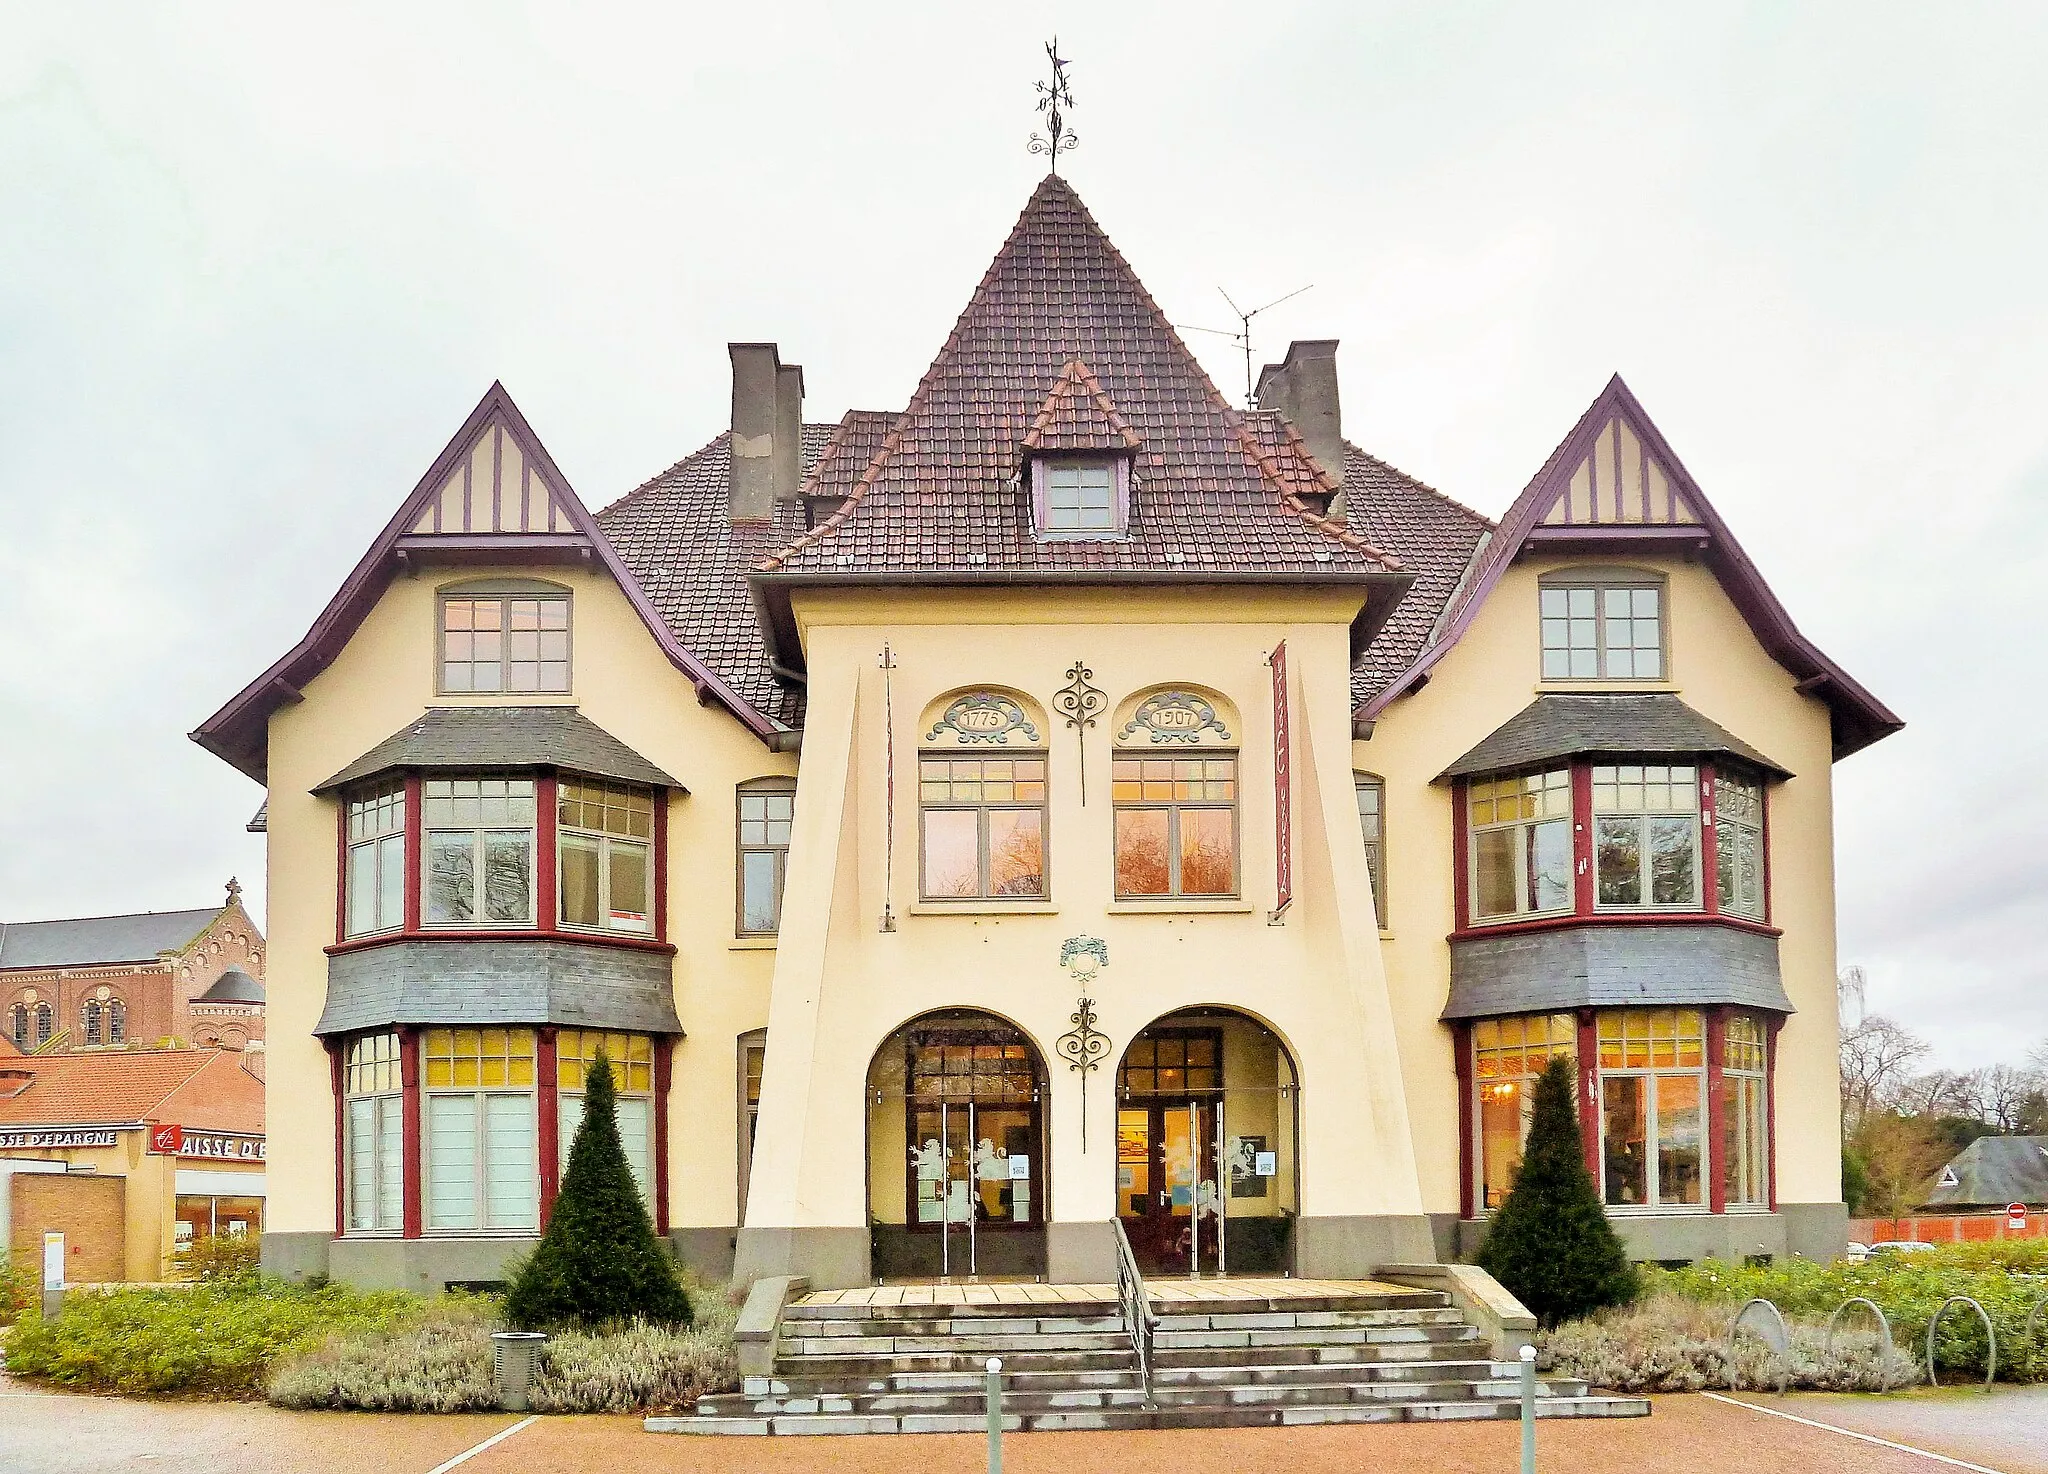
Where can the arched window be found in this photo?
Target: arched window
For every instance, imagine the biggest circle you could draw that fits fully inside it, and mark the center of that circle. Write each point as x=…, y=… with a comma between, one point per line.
x=17, y=1025
x=117, y=1022
x=92, y=1018
x=981, y=797
x=46, y=1024
x=1173, y=786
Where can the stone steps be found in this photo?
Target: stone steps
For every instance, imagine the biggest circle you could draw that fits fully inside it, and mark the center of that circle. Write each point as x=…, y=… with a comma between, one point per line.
x=1150, y=1418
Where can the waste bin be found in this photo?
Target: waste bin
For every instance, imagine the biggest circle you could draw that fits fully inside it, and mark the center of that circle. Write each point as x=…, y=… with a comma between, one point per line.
x=515, y=1356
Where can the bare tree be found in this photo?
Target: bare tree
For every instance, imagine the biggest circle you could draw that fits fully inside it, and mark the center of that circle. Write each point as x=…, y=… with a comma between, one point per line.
x=1900, y=1155
x=1878, y=1056
x=1999, y=1095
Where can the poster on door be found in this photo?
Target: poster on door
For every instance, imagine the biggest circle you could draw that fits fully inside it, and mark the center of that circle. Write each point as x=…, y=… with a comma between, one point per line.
x=1247, y=1155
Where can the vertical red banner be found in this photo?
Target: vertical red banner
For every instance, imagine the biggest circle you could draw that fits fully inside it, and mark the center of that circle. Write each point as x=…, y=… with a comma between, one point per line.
x=1283, y=784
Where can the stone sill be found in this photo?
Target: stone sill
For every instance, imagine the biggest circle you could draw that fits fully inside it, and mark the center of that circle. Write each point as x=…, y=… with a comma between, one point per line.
x=753, y=944
x=1179, y=907
x=984, y=908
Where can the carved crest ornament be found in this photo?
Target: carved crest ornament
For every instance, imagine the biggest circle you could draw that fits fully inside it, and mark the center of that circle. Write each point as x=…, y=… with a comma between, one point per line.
x=1174, y=717
x=985, y=716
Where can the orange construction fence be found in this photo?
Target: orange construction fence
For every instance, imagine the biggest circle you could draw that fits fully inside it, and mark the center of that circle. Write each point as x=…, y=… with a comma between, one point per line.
x=1947, y=1228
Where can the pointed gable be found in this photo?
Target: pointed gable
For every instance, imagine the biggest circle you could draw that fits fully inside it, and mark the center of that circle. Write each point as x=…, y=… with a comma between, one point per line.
x=494, y=486
x=1078, y=415
x=942, y=493
x=493, y=495
x=1615, y=484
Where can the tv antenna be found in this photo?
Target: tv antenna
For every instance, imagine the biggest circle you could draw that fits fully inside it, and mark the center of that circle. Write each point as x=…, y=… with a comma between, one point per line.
x=1243, y=336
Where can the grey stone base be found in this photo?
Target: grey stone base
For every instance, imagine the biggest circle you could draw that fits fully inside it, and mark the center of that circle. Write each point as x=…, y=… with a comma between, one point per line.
x=424, y=1266
x=708, y=1251
x=1815, y=1230
x=296, y=1256
x=1443, y=1232
x=1080, y=1253
x=1350, y=1248
x=830, y=1258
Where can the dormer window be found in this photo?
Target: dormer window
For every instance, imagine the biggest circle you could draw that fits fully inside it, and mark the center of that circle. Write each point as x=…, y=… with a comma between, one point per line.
x=1603, y=624
x=1081, y=498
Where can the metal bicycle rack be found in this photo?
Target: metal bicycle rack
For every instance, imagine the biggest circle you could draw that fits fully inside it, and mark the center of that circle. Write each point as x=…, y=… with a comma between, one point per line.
x=1990, y=1339
x=1884, y=1328
x=1775, y=1335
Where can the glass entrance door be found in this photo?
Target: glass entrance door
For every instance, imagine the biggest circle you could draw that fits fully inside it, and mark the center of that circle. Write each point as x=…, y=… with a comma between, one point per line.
x=1167, y=1186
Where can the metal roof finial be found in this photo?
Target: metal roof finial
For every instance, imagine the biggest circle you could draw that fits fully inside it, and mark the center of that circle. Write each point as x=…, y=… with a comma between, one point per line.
x=1053, y=99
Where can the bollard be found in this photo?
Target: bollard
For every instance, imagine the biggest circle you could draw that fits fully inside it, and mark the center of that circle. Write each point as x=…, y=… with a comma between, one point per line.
x=1528, y=1410
x=995, y=1415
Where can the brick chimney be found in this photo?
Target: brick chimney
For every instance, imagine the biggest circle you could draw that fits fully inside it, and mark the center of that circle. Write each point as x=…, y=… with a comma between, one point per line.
x=1303, y=387
x=767, y=431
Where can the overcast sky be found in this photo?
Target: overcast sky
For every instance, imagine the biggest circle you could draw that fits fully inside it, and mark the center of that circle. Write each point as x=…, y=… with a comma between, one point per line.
x=257, y=263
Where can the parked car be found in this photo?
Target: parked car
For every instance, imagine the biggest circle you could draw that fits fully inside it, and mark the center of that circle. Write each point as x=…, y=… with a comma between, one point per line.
x=1858, y=1252
x=1899, y=1246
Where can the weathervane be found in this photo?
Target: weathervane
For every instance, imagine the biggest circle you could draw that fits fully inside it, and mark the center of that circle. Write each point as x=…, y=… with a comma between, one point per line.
x=1053, y=96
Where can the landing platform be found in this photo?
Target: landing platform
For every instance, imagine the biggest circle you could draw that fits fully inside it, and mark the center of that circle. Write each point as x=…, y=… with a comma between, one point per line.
x=1163, y=1292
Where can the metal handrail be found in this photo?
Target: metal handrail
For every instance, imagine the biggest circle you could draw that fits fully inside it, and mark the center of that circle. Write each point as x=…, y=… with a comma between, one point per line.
x=1136, y=1305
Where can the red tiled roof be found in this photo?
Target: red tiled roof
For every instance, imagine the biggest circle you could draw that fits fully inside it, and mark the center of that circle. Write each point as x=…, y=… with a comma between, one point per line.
x=1078, y=415
x=942, y=493
x=192, y=1087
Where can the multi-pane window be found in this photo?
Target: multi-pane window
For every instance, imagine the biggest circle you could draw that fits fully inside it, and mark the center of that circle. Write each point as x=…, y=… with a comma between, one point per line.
x=505, y=642
x=376, y=860
x=1646, y=835
x=1080, y=498
x=91, y=1020
x=1522, y=844
x=374, y=1118
x=753, y=1065
x=479, y=859
x=1372, y=822
x=17, y=1025
x=1739, y=844
x=1652, y=1099
x=1172, y=1064
x=1176, y=825
x=631, y=1057
x=1603, y=631
x=961, y=1067
x=1507, y=1056
x=481, y=1157
x=1745, y=1113
x=983, y=826
x=117, y=1021
x=766, y=810
x=46, y=1023
x=605, y=853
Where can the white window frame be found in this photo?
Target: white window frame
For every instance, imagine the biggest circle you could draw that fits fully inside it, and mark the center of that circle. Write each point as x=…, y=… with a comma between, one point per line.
x=1642, y=818
x=479, y=834
x=1748, y=832
x=384, y=851
x=1375, y=835
x=1525, y=828
x=480, y=1176
x=1556, y=617
x=1526, y=1082
x=761, y=791
x=1755, y=1085
x=1110, y=522
x=386, y=1121
x=505, y=598
x=606, y=841
x=1652, y=1170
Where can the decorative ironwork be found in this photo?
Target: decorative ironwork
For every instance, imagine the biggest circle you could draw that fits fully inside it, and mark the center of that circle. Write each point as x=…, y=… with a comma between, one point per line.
x=985, y=716
x=1080, y=703
x=1174, y=716
x=1084, y=1045
x=1053, y=100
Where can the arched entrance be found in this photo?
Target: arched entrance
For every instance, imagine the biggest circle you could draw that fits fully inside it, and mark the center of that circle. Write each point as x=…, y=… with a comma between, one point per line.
x=1207, y=1177
x=956, y=1150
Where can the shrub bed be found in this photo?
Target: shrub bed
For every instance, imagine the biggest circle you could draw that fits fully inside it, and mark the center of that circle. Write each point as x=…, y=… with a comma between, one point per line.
x=215, y=1339
x=18, y=1292
x=2003, y=1278
x=1668, y=1342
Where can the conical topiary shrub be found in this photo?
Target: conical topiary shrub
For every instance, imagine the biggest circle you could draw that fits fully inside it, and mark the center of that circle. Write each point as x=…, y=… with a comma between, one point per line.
x=599, y=1262
x=1550, y=1244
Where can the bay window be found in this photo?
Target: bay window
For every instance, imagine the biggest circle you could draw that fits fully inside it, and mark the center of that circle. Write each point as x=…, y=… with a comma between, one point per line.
x=375, y=875
x=373, y=1118
x=1176, y=825
x=1739, y=844
x=982, y=823
x=631, y=1057
x=1646, y=835
x=1507, y=1056
x=605, y=855
x=479, y=851
x=1745, y=1113
x=1652, y=1106
x=481, y=1161
x=1521, y=835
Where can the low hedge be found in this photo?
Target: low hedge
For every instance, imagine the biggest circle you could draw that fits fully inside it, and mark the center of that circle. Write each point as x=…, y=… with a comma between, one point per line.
x=213, y=1339
x=18, y=1292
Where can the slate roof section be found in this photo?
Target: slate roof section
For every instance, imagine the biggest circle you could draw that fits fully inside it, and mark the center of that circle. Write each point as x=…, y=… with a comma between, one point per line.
x=233, y=986
x=674, y=534
x=206, y=1088
x=1993, y=1171
x=578, y=985
x=1608, y=966
x=457, y=738
x=942, y=496
x=91, y=940
x=1078, y=415
x=1651, y=724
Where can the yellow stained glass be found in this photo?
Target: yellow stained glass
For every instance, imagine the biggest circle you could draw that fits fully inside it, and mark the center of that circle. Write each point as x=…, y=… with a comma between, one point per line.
x=631, y=1057
x=469, y=1059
